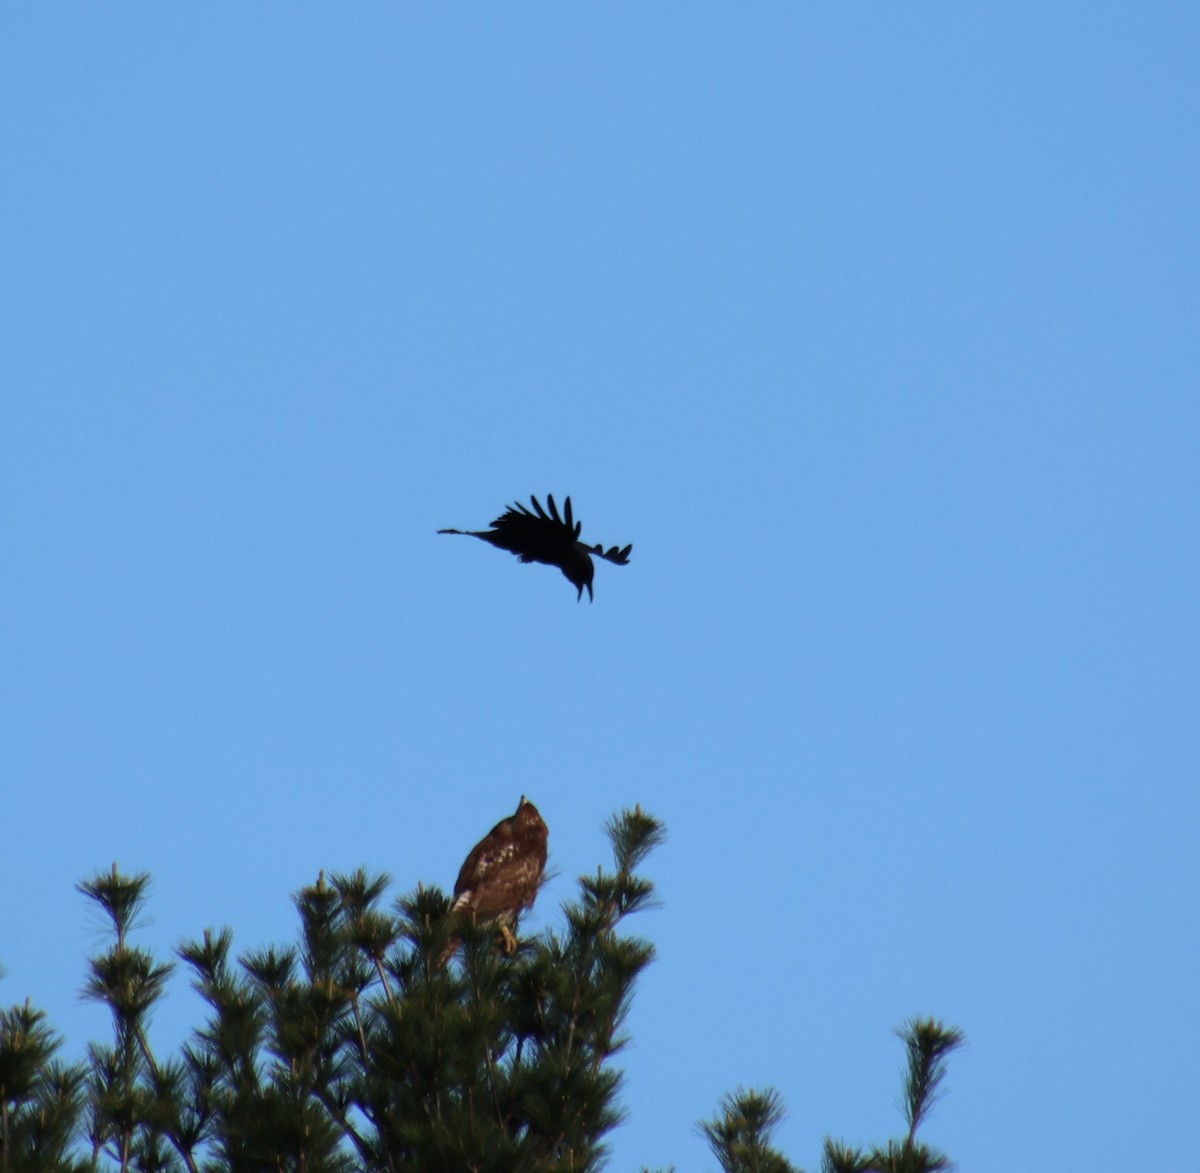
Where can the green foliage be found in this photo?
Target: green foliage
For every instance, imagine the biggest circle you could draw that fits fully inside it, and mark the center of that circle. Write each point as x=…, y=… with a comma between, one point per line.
x=355, y=1049
x=928, y=1043
x=41, y=1100
x=359, y=1049
x=740, y=1134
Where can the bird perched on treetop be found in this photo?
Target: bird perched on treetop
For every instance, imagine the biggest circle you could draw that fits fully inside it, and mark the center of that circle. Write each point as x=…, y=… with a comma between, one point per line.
x=546, y=537
x=501, y=876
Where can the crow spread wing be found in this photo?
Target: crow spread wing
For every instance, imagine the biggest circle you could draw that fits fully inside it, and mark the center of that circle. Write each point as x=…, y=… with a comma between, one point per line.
x=538, y=536
x=545, y=535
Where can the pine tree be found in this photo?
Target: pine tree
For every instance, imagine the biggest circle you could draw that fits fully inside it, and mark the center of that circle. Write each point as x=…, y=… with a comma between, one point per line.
x=740, y=1134
x=357, y=1049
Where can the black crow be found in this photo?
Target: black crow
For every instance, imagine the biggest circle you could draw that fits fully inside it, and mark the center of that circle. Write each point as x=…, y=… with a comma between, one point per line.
x=546, y=537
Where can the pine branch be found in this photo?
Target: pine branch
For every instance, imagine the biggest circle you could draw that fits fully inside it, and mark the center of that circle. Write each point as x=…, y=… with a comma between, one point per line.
x=740, y=1134
x=929, y=1043
x=120, y=897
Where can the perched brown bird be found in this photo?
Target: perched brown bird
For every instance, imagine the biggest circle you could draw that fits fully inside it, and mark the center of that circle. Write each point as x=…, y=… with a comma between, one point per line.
x=546, y=537
x=501, y=876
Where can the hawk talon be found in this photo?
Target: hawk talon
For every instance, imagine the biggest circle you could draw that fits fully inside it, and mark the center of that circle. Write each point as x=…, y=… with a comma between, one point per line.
x=509, y=941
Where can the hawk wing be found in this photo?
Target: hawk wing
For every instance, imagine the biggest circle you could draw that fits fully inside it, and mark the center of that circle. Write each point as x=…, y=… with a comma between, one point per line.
x=490, y=857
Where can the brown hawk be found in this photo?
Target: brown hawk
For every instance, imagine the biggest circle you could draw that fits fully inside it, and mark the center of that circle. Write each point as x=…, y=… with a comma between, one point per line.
x=546, y=537
x=501, y=876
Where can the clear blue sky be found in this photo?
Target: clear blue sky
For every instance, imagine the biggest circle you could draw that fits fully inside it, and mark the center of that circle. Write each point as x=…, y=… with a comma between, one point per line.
x=873, y=327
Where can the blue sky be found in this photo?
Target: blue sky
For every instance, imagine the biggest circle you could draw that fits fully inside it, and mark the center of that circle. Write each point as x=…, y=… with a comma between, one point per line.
x=872, y=327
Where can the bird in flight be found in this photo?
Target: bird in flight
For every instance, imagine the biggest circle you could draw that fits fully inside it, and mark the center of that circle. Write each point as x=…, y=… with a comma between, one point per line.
x=543, y=536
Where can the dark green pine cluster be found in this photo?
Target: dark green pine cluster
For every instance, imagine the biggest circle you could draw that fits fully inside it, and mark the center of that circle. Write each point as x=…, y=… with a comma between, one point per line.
x=354, y=1050
x=359, y=1050
x=740, y=1134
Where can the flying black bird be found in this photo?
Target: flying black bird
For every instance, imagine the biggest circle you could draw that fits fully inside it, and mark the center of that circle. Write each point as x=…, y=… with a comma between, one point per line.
x=546, y=537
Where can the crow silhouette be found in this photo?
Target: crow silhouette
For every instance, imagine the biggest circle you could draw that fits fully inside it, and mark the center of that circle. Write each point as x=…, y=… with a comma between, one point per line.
x=543, y=536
